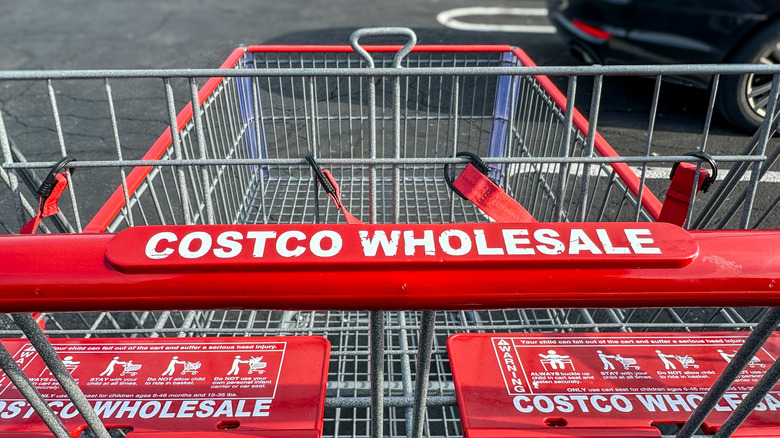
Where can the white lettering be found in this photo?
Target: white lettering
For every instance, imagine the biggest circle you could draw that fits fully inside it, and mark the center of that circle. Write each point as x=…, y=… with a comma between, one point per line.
x=69, y=411
x=607, y=244
x=548, y=244
x=226, y=409
x=227, y=240
x=165, y=410
x=281, y=244
x=563, y=403
x=732, y=399
x=151, y=245
x=760, y=407
x=261, y=408
x=579, y=241
x=127, y=408
x=463, y=248
x=637, y=242
x=145, y=412
x=52, y=405
x=693, y=400
x=260, y=237
x=772, y=402
x=370, y=246
x=652, y=402
x=482, y=247
x=621, y=403
x=566, y=403
x=186, y=242
x=719, y=407
x=411, y=242
x=240, y=412
x=580, y=399
x=677, y=402
x=106, y=409
x=512, y=240
x=453, y=242
x=548, y=405
x=186, y=407
x=595, y=402
x=522, y=408
x=206, y=409
x=316, y=243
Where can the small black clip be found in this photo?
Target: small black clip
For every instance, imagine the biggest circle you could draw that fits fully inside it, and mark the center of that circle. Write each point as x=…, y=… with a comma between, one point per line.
x=710, y=178
x=44, y=191
x=320, y=175
x=477, y=162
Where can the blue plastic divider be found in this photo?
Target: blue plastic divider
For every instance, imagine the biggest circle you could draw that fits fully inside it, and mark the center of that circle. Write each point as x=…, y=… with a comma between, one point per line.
x=256, y=144
x=504, y=103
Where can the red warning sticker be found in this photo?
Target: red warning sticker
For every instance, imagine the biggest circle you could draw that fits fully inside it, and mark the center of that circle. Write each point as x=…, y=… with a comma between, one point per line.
x=274, y=385
x=542, y=384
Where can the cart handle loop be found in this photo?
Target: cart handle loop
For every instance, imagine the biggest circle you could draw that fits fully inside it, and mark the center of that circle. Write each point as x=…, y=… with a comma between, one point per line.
x=475, y=161
x=49, y=192
x=383, y=31
x=328, y=183
x=705, y=157
x=320, y=175
x=44, y=191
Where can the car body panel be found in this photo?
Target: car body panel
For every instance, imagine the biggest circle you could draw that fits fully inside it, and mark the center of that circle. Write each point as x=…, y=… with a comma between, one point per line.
x=660, y=31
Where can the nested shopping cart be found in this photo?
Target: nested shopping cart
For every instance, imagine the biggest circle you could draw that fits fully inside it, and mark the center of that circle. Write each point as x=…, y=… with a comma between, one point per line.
x=233, y=228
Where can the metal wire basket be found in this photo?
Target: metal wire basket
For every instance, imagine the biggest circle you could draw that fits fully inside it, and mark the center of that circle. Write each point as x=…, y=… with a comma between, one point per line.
x=385, y=120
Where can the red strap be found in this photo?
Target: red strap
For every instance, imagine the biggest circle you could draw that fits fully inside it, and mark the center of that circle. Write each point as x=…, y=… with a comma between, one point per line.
x=678, y=197
x=48, y=207
x=41, y=322
x=490, y=198
x=337, y=200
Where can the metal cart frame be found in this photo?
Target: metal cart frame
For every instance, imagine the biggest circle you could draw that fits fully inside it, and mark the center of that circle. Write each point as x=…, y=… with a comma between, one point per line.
x=237, y=157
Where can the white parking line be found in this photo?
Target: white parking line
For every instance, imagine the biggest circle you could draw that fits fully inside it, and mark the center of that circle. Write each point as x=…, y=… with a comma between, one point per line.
x=450, y=17
x=771, y=176
x=661, y=173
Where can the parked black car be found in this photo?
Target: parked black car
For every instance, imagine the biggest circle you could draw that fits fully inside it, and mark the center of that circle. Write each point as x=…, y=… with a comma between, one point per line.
x=677, y=31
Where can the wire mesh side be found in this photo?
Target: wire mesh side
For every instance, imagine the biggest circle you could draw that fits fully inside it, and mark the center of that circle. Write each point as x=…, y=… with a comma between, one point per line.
x=279, y=119
x=229, y=135
x=347, y=391
x=282, y=118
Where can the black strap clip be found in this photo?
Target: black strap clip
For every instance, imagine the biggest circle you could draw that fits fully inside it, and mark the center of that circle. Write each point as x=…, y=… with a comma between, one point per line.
x=47, y=186
x=477, y=162
x=320, y=175
x=713, y=165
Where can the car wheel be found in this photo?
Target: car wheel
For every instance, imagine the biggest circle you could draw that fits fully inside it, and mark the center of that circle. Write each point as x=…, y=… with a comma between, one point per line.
x=743, y=99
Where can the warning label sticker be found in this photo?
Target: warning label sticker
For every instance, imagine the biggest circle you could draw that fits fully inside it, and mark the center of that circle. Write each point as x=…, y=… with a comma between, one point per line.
x=634, y=377
x=179, y=384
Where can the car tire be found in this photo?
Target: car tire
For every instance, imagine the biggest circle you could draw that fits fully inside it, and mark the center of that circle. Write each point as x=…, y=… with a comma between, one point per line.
x=740, y=96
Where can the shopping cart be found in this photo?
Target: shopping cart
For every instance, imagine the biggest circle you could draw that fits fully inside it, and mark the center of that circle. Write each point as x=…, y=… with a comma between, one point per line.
x=384, y=120
x=256, y=365
x=627, y=362
x=128, y=368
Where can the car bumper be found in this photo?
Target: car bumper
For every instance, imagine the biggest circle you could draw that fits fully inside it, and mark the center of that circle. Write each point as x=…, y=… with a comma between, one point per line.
x=620, y=48
x=584, y=47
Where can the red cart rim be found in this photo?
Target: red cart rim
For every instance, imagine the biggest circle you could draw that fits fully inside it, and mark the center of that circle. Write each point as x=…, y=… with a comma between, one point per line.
x=116, y=201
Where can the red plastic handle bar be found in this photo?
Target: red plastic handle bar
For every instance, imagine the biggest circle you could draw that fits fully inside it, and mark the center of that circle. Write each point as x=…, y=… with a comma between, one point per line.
x=108, y=272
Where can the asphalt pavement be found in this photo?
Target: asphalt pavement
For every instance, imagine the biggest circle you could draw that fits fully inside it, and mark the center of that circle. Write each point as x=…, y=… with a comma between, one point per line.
x=86, y=34
x=81, y=34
